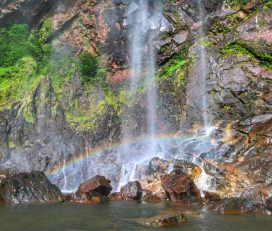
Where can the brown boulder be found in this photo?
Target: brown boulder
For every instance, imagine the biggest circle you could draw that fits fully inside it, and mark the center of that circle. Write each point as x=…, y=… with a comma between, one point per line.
x=96, y=186
x=78, y=197
x=85, y=198
x=179, y=186
x=131, y=191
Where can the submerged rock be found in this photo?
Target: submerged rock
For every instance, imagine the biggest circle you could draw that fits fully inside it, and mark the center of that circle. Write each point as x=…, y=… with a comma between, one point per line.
x=96, y=186
x=236, y=206
x=178, y=186
x=31, y=187
x=165, y=220
x=131, y=191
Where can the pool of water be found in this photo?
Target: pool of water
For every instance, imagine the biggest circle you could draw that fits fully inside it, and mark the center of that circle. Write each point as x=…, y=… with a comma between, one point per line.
x=111, y=216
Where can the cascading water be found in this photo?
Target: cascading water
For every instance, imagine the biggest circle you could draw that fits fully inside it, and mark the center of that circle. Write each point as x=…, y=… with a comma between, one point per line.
x=203, y=66
x=143, y=26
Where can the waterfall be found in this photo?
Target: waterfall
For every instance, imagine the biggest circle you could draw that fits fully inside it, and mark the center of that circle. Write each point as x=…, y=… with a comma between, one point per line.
x=203, y=66
x=143, y=20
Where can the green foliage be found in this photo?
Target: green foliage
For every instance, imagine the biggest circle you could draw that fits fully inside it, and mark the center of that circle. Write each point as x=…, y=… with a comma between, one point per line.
x=45, y=31
x=237, y=3
x=241, y=49
x=22, y=61
x=16, y=42
x=17, y=81
x=268, y=7
x=235, y=49
x=88, y=65
x=175, y=68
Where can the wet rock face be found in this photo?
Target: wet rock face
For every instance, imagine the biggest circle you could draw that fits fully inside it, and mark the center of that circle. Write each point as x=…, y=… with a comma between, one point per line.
x=98, y=185
x=131, y=191
x=24, y=11
x=31, y=187
x=179, y=186
x=211, y=197
x=40, y=144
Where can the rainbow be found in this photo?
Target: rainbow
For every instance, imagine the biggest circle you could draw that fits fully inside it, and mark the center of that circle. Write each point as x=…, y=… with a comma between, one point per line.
x=58, y=168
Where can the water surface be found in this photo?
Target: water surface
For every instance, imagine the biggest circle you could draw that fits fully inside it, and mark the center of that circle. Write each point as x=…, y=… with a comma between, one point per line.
x=113, y=216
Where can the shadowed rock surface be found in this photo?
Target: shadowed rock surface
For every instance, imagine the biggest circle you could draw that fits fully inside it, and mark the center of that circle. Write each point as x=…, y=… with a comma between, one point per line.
x=27, y=188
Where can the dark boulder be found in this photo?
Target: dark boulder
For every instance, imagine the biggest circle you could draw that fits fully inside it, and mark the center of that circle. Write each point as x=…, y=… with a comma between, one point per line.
x=131, y=191
x=96, y=186
x=31, y=187
x=268, y=203
x=178, y=186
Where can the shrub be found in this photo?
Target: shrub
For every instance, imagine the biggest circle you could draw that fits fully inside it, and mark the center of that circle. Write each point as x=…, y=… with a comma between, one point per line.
x=88, y=65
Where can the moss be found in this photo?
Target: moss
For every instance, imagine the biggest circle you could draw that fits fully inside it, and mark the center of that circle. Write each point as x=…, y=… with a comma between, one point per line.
x=61, y=68
x=227, y=108
x=241, y=48
x=88, y=116
x=175, y=70
x=88, y=65
x=45, y=30
x=235, y=49
x=17, y=81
